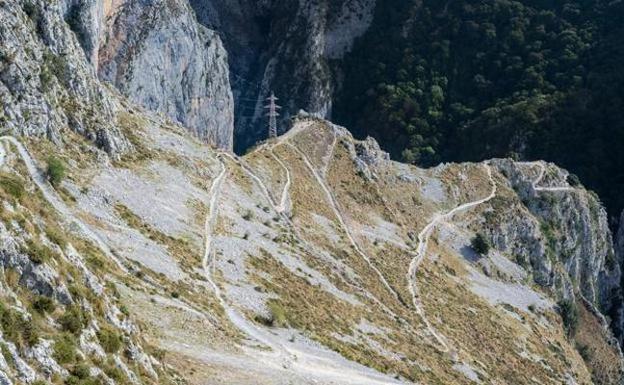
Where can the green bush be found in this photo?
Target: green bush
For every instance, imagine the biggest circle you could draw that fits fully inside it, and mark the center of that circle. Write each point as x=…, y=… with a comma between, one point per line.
x=480, y=244
x=109, y=339
x=569, y=314
x=81, y=371
x=278, y=314
x=56, y=171
x=43, y=304
x=81, y=375
x=585, y=351
x=65, y=349
x=73, y=320
x=16, y=328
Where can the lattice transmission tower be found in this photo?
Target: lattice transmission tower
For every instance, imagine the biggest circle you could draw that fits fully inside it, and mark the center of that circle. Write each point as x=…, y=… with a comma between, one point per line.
x=272, y=114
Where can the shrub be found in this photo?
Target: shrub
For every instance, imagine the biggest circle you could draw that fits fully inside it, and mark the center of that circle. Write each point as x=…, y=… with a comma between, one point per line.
x=73, y=320
x=65, y=349
x=480, y=244
x=56, y=171
x=109, y=339
x=43, y=304
x=12, y=186
x=585, y=351
x=569, y=314
x=81, y=371
x=16, y=328
x=278, y=314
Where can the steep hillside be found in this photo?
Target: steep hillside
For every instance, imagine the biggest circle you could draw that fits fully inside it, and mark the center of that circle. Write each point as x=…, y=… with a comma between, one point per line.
x=134, y=252
x=315, y=259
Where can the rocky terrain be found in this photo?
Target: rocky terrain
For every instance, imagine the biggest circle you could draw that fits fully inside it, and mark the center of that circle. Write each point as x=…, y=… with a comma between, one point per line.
x=137, y=248
x=286, y=47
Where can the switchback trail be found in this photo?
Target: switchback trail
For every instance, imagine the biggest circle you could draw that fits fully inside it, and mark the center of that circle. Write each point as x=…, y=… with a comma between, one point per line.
x=282, y=207
x=343, y=224
x=421, y=252
x=292, y=358
x=541, y=176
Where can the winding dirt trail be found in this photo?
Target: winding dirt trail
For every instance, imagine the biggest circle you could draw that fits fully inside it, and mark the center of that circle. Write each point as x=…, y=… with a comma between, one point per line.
x=421, y=252
x=294, y=359
x=541, y=176
x=57, y=203
x=334, y=205
x=283, y=205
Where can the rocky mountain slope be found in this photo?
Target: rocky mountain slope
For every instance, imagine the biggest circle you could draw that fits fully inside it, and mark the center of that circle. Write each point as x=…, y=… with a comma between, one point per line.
x=315, y=259
x=132, y=251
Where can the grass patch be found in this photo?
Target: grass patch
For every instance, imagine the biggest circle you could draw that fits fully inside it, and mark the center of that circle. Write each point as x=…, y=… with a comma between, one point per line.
x=65, y=349
x=38, y=252
x=55, y=236
x=110, y=339
x=12, y=185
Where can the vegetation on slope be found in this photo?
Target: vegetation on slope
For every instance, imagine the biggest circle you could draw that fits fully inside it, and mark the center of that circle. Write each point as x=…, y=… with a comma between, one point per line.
x=436, y=81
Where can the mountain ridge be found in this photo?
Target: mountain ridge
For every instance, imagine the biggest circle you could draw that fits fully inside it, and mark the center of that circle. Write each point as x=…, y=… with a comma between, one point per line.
x=135, y=251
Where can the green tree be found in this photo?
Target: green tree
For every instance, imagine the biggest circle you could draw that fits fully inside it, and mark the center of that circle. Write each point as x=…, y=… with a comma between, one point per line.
x=480, y=244
x=56, y=171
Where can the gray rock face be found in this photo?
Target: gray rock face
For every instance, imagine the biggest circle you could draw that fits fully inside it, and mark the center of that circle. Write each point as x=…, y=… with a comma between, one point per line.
x=38, y=278
x=157, y=54
x=287, y=47
x=566, y=244
x=46, y=84
x=619, y=239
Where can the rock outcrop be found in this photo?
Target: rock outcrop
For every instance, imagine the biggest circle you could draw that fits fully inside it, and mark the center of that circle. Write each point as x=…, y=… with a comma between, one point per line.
x=286, y=47
x=46, y=85
x=157, y=55
x=564, y=240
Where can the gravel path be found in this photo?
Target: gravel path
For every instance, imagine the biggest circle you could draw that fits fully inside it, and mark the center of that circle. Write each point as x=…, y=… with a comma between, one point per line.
x=306, y=362
x=421, y=252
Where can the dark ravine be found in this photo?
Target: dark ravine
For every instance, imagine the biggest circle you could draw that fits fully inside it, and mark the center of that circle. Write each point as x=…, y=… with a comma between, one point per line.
x=287, y=47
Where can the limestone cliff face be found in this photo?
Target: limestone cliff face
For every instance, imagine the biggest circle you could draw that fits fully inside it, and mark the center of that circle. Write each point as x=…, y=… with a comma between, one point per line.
x=563, y=238
x=157, y=54
x=287, y=47
x=46, y=85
